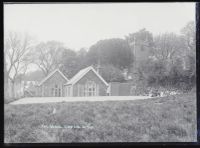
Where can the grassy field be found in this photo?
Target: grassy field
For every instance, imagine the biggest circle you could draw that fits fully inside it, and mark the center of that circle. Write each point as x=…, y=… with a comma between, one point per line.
x=167, y=119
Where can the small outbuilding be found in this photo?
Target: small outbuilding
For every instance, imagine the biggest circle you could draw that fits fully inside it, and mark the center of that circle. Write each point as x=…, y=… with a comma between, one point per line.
x=87, y=82
x=120, y=89
x=52, y=85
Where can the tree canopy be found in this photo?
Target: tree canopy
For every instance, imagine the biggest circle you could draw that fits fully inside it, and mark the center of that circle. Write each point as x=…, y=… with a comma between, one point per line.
x=116, y=52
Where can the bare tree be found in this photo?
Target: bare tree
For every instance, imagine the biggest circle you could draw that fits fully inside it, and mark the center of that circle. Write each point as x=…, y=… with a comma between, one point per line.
x=17, y=47
x=47, y=56
x=167, y=46
x=189, y=35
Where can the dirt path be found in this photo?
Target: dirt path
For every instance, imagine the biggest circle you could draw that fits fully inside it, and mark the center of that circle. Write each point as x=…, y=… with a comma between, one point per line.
x=32, y=100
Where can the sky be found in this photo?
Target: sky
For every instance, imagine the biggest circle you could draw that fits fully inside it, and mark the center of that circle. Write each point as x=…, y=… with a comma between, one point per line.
x=82, y=25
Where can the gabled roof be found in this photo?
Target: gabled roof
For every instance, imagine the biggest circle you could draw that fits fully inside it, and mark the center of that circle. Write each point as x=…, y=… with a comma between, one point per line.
x=82, y=73
x=51, y=74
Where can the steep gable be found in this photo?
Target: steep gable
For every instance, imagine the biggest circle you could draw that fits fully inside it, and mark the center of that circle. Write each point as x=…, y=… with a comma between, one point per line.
x=51, y=75
x=82, y=73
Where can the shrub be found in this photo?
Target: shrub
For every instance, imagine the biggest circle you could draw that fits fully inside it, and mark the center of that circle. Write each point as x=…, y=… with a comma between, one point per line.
x=8, y=100
x=112, y=74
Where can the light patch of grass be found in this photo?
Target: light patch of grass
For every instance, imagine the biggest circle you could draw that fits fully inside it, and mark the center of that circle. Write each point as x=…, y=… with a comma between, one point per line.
x=167, y=119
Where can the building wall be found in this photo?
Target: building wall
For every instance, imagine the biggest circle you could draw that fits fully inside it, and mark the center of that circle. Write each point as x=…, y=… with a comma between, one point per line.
x=141, y=53
x=124, y=89
x=55, y=79
x=90, y=76
x=114, y=89
x=120, y=89
x=68, y=91
x=18, y=87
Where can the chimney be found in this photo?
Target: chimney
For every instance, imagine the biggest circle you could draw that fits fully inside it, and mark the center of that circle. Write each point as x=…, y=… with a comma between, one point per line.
x=98, y=69
x=98, y=66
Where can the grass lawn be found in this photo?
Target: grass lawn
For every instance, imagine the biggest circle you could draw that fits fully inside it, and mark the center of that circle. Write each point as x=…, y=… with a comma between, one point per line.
x=167, y=119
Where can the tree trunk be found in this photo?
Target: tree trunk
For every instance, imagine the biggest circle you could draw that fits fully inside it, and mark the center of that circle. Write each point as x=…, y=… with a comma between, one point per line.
x=13, y=89
x=24, y=88
x=6, y=88
x=20, y=86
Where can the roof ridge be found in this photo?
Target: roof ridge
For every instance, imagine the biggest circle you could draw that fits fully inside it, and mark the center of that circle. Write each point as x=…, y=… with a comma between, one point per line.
x=50, y=74
x=81, y=73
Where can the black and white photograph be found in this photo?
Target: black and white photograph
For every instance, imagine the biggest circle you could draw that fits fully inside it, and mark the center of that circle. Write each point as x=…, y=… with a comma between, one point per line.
x=99, y=72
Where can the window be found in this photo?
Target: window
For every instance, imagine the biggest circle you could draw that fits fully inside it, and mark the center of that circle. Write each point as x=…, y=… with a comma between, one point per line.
x=59, y=92
x=90, y=92
x=90, y=89
x=56, y=90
